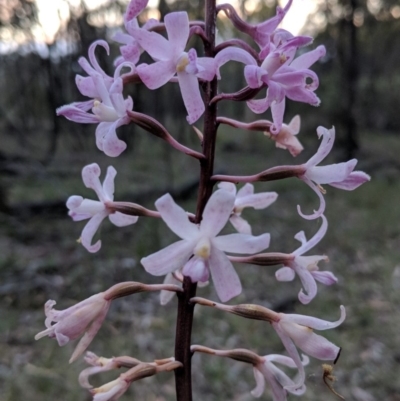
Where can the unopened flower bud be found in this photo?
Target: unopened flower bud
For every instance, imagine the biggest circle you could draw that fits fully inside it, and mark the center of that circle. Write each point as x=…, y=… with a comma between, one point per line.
x=249, y=311
x=264, y=259
x=238, y=354
x=132, y=287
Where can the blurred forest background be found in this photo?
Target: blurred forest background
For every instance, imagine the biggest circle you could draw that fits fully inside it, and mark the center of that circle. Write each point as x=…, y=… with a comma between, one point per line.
x=41, y=157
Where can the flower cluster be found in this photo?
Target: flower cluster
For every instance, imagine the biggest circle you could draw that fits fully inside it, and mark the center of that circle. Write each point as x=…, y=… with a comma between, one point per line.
x=202, y=252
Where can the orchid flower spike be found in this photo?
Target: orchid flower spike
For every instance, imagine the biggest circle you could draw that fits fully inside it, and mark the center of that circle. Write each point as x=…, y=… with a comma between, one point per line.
x=172, y=59
x=306, y=267
x=96, y=211
x=85, y=318
x=279, y=382
x=340, y=175
x=286, y=138
x=246, y=197
x=297, y=331
x=201, y=252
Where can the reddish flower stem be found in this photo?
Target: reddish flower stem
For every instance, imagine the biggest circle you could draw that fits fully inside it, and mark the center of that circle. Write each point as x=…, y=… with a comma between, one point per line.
x=183, y=376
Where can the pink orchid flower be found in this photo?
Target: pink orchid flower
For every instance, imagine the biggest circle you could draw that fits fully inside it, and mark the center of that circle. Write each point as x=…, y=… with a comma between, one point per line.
x=109, y=108
x=246, y=197
x=285, y=77
x=340, y=175
x=201, y=252
x=278, y=380
x=297, y=331
x=172, y=59
x=307, y=266
x=85, y=318
x=286, y=138
x=130, y=49
x=96, y=211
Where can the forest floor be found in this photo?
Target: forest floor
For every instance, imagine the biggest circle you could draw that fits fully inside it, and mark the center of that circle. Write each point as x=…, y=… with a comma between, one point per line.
x=40, y=259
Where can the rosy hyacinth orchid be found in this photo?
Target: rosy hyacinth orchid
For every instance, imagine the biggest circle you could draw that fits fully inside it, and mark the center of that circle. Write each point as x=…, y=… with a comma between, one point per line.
x=172, y=59
x=246, y=197
x=96, y=211
x=277, y=379
x=306, y=267
x=285, y=77
x=286, y=138
x=86, y=85
x=84, y=318
x=340, y=175
x=109, y=108
x=297, y=331
x=201, y=252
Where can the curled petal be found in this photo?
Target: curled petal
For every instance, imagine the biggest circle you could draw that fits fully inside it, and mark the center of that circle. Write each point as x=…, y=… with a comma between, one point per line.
x=315, y=323
x=92, y=56
x=233, y=54
x=328, y=138
x=89, y=231
x=307, y=245
x=322, y=203
x=308, y=283
x=260, y=383
x=285, y=360
x=107, y=139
